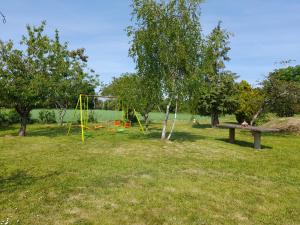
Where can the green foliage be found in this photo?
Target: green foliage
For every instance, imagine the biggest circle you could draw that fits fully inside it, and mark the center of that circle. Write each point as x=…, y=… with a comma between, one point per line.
x=47, y=116
x=250, y=100
x=287, y=74
x=166, y=41
x=3, y=119
x=8, y=117
x=282, y=93
x=213, y=89
x=42, y=73
x=134, y=93
x=92, y=118
x=70, y=76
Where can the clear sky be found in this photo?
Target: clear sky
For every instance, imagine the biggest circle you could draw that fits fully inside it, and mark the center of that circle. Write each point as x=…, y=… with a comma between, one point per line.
x=265, y=31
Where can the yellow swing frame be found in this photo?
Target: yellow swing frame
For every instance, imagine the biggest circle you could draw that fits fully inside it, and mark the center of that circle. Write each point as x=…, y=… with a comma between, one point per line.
x=83, y=106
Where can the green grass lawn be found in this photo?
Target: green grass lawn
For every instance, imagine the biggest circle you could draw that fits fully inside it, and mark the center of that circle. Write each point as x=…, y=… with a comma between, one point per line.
x=131, y=178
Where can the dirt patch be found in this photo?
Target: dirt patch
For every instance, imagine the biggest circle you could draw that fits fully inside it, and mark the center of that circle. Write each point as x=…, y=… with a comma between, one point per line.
x=290, y=124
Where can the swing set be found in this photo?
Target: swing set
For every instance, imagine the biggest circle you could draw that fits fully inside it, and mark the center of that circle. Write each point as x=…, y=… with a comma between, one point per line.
x=87, y=114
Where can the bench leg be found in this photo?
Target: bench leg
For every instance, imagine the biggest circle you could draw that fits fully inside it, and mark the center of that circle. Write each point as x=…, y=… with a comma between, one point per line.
x=231, y=135
x=257, y=140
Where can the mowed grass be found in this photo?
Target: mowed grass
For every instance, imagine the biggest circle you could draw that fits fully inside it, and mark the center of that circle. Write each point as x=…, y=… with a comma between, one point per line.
x=131, y=178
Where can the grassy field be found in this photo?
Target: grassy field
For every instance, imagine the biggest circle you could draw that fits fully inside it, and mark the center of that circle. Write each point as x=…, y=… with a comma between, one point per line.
x=131, y=178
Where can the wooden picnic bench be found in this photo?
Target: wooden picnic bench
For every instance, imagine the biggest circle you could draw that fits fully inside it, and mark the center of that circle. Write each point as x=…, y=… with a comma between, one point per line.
x=256, y=131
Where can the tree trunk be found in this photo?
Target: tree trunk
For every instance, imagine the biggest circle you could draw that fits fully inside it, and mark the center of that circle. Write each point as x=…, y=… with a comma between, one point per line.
x=146, y=118
x=62, y=113
x=174, y=121
x=214, y=119
x=164, y=130
x=262, y=108
x=256, y=116
x=24, y=118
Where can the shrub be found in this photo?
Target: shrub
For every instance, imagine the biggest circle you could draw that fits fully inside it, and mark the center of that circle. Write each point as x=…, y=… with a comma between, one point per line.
x=47, y=116
x=92, y=118
x=13, y=117
x=250, y=101
x=3, y=119
x=8, y=117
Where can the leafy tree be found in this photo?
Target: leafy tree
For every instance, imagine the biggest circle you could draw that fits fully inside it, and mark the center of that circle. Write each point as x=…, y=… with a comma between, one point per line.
x=24, y=73
x=69, y=76
x=214, y=90
x=250, y=99
x=135, y=93
x=29, y=76
x=281, y=96
x=165, y=46
x=281, y=91
x=291, y=73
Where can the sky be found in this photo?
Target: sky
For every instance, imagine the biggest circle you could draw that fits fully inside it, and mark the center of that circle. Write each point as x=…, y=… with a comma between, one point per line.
x=265, y=31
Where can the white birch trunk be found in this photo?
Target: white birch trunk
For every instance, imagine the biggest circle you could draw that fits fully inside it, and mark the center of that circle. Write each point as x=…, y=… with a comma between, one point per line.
x=164, y=130
x=174, y=120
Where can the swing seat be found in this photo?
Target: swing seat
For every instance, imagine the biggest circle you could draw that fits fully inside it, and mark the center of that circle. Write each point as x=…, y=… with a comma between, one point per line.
x=117, y=123
x=127, y=124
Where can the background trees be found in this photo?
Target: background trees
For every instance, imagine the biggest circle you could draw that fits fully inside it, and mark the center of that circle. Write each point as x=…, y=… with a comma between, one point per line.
x=135, y=93
x=35, y=75
x=282, y=91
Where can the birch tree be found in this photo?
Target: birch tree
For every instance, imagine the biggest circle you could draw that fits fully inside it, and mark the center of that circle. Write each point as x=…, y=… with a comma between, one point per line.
x=165, y=46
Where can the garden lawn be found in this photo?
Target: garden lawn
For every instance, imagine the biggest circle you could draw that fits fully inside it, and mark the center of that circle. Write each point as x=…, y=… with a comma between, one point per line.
x=131, y=178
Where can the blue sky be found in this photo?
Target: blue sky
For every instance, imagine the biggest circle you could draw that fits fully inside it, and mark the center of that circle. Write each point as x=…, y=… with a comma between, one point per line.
x=265, y=31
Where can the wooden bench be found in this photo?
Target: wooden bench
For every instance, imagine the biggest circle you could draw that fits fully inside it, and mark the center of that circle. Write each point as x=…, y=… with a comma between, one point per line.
x=256, y=131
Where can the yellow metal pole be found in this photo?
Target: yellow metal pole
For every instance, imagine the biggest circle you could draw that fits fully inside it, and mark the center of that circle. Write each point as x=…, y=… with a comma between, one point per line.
x=81, y=120
x=87, y=111
x=141, y=126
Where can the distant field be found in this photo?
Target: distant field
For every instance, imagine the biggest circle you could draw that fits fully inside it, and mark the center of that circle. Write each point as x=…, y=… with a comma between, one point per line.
x=103, y=115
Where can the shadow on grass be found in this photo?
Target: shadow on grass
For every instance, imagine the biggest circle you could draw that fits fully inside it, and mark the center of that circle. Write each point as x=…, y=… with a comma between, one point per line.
x=177, y=136
x=20, y=179
x=50, y=131
x=201, y=126
x=242, y=143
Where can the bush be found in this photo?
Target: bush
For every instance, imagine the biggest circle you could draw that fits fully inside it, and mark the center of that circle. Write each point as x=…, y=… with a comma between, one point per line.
x=47, y=116
x=92, y=118
x=8, y=117
x=13, y=117
x=250, y=101
x=3, y=119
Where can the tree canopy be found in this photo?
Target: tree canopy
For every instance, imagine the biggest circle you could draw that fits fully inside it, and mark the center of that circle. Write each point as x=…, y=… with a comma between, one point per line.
x=165, y=45
x=213, y=90
x=34, y=75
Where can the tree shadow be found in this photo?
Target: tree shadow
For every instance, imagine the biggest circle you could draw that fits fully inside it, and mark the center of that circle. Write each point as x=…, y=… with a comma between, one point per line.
x=51, y=131
x=177, y=136
x=21, y=178
x=243, y=143
x=8, y=130
x=201, y=126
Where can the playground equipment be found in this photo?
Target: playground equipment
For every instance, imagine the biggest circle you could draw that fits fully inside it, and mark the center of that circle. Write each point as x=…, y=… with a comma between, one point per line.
x=87, y=113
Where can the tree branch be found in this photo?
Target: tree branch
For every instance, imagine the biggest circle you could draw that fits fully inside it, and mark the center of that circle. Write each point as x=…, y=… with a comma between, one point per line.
x=3, y=17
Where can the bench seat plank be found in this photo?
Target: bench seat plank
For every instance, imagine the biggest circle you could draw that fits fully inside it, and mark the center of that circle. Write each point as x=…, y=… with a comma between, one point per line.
x=250, y=128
